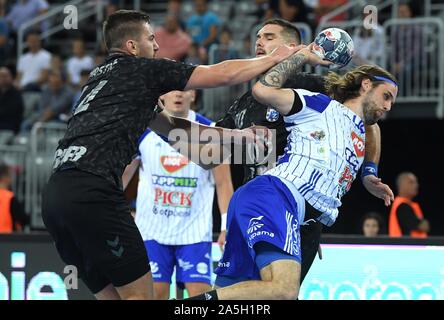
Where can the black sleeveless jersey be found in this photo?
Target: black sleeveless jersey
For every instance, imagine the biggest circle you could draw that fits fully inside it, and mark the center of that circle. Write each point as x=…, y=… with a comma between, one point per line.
x=115, y=108
x=246, y=111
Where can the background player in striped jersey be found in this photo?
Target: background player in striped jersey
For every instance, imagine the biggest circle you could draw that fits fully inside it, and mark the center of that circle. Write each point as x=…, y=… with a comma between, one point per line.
x=262, y=258
x=174, y=206
x=247, y=111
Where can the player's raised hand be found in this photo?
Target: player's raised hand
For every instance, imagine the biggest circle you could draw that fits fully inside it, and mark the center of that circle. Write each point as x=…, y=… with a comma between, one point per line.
x=258, y=136
x=253, y=134
x=380, y=190
x=284, y=51
x=313, y=58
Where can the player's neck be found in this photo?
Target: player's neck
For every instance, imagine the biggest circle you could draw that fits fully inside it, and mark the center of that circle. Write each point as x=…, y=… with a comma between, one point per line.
x=182, y=114
x=356, y=106
x=406, y=195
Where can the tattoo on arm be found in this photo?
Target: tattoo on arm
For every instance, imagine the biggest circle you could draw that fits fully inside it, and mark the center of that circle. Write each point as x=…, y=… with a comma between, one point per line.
x=276, y=76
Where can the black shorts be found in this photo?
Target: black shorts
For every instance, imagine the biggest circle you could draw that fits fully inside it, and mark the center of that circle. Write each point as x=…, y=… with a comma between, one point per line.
x=90, y=222
x=310, y=239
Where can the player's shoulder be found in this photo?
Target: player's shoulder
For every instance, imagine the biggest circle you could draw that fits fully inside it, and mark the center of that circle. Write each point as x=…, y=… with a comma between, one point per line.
x=313, y=97
x=312, y=103
x=311, y=93
x=308, y=81
x=146, y=135
x=163, y=68
x=158, y=61
x=138, y=62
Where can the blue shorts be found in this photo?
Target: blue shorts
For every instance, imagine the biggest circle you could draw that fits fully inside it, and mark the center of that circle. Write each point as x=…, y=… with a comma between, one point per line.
x=192, y=261
x=262, y=210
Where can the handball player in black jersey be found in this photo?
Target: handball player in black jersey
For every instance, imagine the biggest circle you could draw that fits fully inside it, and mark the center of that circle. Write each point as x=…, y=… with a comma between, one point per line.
x=84, y=208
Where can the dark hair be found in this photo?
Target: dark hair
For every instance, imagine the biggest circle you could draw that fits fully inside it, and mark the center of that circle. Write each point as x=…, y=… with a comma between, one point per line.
x=226, y=28
x=59, y=73
x=11, y=68
x=400, y=177
x=121, y=25
x=375, y=216
x=342, y=88
x=34, y=32
x=289, y=32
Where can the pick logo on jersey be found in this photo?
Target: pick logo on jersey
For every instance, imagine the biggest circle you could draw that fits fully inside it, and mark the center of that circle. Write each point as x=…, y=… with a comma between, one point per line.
x=173, y=163
x=172, y=198
x=358, y=144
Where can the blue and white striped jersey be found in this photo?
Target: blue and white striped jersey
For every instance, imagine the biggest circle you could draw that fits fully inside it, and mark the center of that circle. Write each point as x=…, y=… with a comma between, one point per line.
x=325, y=148
x=175, y=196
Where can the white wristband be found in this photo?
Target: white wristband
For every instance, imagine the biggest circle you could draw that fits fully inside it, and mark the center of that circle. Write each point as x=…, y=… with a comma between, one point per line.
x=223, y=221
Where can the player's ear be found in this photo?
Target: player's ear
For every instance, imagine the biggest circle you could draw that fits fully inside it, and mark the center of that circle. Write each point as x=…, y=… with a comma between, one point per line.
x=366, y=84
x=131, y=46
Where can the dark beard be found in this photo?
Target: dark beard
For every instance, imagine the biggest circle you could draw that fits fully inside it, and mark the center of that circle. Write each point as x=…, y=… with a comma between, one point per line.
x=369, y=112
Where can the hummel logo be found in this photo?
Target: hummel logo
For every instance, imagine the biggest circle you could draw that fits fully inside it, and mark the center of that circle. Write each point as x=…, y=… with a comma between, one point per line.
x=117, y=249
x=185, y=265
x=208, y=296
x=255, y=224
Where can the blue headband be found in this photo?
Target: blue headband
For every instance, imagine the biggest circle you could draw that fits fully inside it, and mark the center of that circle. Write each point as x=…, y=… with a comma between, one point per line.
x=386, y=80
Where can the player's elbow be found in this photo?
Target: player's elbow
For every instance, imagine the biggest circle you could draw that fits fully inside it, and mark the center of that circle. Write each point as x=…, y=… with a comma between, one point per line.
x=260, y=92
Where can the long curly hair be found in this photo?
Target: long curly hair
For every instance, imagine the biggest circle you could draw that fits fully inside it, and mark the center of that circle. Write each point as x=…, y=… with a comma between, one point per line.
x=342, y=88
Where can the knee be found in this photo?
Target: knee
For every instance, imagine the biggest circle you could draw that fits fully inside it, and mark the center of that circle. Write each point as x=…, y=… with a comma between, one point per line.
x=287, y=291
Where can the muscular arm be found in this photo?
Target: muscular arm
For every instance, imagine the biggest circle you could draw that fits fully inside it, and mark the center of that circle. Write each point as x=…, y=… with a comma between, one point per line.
x=188, y=131
x=202, y=144
x=372, y=183
x=268, y=89
x=236, y=71
x=372, y=143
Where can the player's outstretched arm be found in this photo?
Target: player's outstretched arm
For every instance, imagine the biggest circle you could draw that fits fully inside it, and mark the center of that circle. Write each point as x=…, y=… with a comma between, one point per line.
x=202, y=144
x=370, y=179
x=372, y=143
x=232, y=72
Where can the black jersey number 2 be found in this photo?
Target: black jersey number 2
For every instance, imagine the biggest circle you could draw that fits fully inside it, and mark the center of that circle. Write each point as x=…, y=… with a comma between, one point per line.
x=84, y=104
